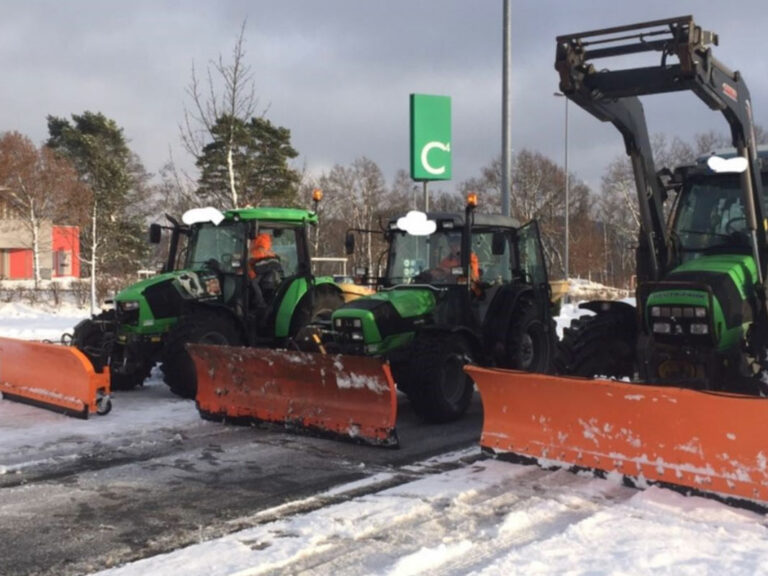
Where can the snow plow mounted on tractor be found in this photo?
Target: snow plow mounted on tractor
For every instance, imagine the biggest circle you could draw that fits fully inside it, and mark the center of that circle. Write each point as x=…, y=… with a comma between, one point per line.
x=458, y=288
x=59, y=378
x=206, y=294
x=687, y=408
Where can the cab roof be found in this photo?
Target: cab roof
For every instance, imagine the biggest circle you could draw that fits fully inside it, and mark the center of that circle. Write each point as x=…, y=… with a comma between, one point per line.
x=272, y=214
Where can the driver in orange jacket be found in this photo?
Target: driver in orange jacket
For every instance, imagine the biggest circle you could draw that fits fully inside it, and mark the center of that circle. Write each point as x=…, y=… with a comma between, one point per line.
x=264, y=269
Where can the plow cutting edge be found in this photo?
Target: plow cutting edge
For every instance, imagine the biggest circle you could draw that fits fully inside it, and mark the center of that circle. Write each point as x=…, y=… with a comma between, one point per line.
x=708, y=442
x=347, y=396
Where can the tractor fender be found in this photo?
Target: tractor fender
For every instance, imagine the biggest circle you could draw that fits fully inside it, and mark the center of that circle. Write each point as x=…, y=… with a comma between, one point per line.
x=322, y=293
x=613, y=306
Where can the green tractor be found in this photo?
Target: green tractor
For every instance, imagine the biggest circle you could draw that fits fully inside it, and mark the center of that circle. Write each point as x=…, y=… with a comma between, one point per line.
x=206, y=294
x=458, y=289
x=702, y=309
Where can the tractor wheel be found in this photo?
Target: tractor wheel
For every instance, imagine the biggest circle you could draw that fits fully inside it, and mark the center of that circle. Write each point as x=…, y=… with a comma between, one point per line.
x=129, y=380
x=599, y=345
x=530, y=344
x=96, y=339
x=317, y=309
x=204, y=327
x=441, y=391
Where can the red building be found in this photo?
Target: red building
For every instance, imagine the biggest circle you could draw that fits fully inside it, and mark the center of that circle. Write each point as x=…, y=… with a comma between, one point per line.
x=59, y=251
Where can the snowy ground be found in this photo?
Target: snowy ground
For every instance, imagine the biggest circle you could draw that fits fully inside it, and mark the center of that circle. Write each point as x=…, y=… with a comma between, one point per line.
x=459, y=514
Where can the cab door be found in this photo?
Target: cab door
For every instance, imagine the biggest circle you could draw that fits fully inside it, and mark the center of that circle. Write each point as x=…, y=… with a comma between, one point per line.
x=531, y=262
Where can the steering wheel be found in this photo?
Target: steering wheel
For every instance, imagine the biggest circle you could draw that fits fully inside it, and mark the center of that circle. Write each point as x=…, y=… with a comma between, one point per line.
x=728, y=225
x=431, y=275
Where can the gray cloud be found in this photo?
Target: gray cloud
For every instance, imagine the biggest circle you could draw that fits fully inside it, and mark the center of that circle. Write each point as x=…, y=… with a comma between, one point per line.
x=338, y=72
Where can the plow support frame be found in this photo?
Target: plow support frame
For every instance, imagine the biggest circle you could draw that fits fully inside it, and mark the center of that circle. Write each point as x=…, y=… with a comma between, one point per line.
x=59, y=378
x=707, y=442
x=348, y=397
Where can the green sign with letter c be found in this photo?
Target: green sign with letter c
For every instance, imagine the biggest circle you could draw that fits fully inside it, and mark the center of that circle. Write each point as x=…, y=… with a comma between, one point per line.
x=430, y=137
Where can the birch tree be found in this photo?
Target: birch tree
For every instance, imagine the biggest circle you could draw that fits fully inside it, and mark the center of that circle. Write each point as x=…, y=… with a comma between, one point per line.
x=35, y=185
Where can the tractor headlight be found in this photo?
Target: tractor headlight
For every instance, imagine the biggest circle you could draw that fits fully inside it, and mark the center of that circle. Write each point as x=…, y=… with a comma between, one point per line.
x=351, y=328
x=700, y=329
x=700, y=312
x=212, y=286
x=129, y=305
x=662, y=328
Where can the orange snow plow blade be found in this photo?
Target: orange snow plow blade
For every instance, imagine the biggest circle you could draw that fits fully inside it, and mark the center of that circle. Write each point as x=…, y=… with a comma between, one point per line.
x=346, y=396
x=60, y=378
x=711, y=443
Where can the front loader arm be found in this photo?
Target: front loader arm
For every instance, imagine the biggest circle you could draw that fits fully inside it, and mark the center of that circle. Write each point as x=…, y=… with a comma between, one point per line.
x=612, y=96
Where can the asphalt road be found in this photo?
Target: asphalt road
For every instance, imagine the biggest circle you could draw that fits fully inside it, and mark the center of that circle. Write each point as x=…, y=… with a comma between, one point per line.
x=114, y=504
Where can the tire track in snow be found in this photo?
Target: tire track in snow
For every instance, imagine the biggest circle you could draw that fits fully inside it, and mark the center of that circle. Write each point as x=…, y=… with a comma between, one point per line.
x=432, y=526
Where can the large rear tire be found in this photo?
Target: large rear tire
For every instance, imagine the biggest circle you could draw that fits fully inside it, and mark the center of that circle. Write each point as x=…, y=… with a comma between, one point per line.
x=530, y=342
x=206, y=327
x=599, y=345
x=315, y=310
x=440, y=391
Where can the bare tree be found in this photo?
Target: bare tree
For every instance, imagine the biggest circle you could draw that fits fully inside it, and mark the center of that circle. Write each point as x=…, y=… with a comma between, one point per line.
x=537, y=192
x=227, y=90
x=357, y=197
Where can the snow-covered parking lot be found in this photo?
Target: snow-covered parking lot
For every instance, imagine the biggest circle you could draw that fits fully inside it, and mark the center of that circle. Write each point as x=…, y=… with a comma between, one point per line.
x=453, y=513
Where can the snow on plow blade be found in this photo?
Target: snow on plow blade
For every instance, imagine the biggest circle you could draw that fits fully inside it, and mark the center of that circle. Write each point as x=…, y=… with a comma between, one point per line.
x=347, y=396
x=60, y=378
x=711, y=443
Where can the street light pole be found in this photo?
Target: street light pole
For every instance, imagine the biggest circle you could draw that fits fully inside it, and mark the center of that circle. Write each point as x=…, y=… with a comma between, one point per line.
x=506, y=111
x=567, y=189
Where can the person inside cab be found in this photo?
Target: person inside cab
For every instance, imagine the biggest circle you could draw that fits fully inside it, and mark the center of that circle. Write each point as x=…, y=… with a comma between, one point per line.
x=453, y=259
x=264, y=270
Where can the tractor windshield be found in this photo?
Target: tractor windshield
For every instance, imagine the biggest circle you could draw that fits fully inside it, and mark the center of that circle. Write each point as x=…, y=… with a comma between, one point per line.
x=710, y=216
x=224, y=243
x=436, y=258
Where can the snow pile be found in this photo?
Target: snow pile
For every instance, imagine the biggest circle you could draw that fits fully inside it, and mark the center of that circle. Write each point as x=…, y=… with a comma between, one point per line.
x=581, y=289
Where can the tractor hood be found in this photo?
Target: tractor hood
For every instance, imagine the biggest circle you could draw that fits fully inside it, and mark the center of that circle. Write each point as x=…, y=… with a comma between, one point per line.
x=680, y=305
x=380, y=321
x=153, y=303
x=722, y=271
x=135, y=291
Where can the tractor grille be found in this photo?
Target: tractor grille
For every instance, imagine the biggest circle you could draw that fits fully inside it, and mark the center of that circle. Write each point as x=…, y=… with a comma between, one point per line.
x=127, y=317
x=164, y=300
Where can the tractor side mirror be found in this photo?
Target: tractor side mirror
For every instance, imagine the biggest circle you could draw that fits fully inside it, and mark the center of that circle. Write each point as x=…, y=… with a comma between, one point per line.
x=498, y=244
x=349, y=243
x=155, y=233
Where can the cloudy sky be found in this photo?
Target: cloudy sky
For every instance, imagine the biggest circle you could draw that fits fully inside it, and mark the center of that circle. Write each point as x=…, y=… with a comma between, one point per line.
x=338, y=73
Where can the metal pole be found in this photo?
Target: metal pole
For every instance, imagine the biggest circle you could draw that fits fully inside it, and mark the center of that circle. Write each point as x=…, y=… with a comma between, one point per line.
x=506, y=130
x=567, y=194
x=426, y=197
x=567, y=190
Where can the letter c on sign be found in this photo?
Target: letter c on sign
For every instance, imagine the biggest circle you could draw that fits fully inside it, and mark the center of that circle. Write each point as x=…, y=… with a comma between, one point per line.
x=425, y=152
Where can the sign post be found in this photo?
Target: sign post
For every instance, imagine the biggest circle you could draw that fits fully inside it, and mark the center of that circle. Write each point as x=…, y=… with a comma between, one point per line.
x=430, y=139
